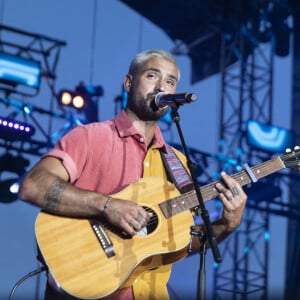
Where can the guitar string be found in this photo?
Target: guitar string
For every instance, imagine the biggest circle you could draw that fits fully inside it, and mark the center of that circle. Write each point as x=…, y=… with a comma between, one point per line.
x=210, y=192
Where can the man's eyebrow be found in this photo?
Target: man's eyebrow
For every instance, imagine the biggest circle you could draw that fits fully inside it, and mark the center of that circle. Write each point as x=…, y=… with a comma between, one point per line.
x=158, y=71
x=152, y=69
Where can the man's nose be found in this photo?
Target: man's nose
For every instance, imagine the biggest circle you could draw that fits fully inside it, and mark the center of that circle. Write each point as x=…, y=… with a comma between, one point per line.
x=160, y=86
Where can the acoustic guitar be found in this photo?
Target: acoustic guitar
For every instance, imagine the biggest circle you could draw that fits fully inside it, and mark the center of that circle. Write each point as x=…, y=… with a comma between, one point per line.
x=90, y=259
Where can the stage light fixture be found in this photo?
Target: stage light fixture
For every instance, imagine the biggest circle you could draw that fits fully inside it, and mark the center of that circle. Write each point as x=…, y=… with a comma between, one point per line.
x=269, y=138
x=77, y=100
x=8, y=193
x=84, y=100
x=81, y=97
x=16, y=70
x=65, y=98
x=15, y=130
x=9, y=187
x=14, y=164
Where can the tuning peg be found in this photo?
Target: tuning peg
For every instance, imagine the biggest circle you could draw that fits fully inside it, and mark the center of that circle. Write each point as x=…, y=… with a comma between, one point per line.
x=288, y=150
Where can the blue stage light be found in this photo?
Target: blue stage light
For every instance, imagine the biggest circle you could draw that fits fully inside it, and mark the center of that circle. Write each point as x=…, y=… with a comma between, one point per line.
x=269, y=138
x=16, y=70
x=15, y=130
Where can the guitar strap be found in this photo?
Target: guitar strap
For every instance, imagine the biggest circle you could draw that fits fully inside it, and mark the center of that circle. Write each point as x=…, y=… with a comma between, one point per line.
x=176, y=172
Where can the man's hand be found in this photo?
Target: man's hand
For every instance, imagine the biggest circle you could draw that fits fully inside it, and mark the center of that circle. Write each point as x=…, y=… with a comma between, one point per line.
x=126, y=215
x=234, y=199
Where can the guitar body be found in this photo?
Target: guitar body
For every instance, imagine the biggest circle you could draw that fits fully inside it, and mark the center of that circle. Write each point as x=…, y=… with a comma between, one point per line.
x=86, y=267
x=77, y=261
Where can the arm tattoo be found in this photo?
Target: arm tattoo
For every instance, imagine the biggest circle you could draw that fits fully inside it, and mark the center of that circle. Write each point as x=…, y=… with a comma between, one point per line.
x=54, y=195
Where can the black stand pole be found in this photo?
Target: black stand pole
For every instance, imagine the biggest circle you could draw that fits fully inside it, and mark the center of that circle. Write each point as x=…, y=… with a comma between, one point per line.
x=200, y=211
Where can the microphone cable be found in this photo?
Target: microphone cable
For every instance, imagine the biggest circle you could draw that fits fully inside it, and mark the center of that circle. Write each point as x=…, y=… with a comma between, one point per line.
x=30, y=274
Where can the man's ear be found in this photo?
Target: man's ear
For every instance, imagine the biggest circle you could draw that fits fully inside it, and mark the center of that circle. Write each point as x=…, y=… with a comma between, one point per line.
x=127, y=82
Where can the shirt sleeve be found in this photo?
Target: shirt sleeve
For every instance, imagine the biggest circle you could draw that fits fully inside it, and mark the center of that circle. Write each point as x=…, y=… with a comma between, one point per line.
x=72, y=150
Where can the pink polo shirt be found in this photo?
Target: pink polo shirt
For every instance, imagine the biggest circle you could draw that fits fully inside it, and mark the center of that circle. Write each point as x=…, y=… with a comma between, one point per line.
x=104, y=157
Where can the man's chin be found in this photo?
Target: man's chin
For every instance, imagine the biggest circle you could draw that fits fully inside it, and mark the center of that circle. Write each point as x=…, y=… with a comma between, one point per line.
x=161, y=112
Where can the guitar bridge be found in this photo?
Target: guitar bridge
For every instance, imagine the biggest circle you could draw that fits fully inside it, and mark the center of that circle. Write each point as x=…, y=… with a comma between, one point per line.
x=103, y=238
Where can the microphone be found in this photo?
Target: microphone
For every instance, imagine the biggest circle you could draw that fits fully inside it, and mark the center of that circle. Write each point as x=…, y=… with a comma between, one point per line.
x=162, y=99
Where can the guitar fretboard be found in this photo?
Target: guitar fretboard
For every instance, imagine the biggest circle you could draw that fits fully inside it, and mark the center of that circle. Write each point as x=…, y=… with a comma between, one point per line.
x=189, y=200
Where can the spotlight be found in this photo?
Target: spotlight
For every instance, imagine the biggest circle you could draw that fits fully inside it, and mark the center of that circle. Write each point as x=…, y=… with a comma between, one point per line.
x=66, y=98
x=83, y=99
x=16, y=70
x=15, y=130
x=10, y=186
x=79, y=101
x=75, y=99
x=7, y=192
x=14, y=187
x=268, y=138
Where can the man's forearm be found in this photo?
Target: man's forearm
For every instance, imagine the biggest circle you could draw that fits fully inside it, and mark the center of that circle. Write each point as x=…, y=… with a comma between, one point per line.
x=57, y=196
x=220, y=231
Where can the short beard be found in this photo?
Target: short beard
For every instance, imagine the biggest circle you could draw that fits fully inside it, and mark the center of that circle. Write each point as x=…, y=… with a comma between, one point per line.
x=144, y=110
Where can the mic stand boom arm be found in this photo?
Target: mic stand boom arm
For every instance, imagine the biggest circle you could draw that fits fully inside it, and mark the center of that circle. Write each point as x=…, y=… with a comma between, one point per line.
x=201, y=209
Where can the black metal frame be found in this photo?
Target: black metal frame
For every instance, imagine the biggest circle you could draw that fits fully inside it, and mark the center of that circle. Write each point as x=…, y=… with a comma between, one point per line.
x=46, y=50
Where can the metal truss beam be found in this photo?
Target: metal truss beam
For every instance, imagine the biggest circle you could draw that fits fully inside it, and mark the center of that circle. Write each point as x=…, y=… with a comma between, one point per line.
x=293, y=247
x=34, y=46
x=45, y=50
x=247, y=94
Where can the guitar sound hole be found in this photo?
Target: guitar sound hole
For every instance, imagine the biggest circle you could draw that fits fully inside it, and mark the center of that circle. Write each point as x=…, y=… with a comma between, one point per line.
x=151, y=226
x=153, y=222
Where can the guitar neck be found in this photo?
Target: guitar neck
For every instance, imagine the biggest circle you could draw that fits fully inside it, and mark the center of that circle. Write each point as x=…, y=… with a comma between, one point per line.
x=208, y=192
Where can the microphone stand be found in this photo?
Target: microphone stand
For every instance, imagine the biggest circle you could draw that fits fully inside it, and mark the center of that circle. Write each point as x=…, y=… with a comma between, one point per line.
x=200, y=210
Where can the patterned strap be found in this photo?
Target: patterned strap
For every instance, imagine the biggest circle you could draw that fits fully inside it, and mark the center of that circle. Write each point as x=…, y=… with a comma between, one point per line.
x=176, y=171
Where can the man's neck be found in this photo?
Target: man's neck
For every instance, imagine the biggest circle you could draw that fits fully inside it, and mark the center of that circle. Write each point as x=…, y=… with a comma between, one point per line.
x=145, y=128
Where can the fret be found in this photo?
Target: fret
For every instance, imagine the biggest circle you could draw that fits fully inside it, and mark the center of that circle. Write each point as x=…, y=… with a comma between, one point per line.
x=208, y=192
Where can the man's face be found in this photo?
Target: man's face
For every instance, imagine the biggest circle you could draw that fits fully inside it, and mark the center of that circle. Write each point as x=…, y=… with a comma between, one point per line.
x=156, y=75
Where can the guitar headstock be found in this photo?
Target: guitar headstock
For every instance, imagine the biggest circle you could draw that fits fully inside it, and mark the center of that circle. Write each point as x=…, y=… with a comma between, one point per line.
x=292, y=158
